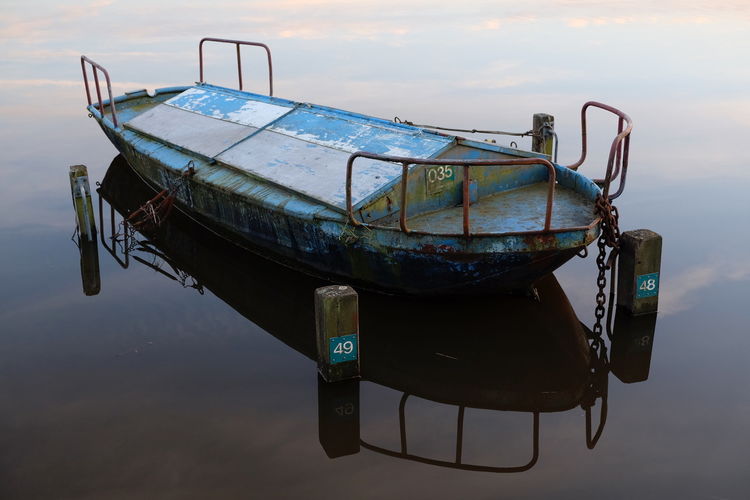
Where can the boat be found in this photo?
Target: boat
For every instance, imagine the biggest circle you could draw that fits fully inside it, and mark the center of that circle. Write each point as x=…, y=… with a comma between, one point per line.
x=362, y=200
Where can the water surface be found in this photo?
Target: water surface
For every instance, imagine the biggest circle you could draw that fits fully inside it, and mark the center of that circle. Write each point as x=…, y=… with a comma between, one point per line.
x=152, y=389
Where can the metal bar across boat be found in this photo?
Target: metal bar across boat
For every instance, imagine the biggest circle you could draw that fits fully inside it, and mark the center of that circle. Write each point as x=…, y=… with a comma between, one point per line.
x=466, y=164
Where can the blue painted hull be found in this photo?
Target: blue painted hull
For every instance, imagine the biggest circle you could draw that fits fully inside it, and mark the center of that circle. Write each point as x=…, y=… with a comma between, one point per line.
x=285, y=228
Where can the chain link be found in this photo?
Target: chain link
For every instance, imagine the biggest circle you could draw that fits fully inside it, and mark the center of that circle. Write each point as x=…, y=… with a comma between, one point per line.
x=608, y=237
x=599, y=365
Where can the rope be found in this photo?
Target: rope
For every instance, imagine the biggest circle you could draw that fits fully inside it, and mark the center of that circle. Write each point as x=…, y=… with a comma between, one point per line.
x=528, y=133
x=156, y=210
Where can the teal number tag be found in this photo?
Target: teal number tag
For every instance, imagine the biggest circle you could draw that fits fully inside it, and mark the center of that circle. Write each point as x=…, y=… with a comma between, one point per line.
x=344, y=348
x=647, y=286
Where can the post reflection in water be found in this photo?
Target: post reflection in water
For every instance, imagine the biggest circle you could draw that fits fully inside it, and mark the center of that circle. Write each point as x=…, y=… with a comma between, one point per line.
x=90, y=275
x=526, y=354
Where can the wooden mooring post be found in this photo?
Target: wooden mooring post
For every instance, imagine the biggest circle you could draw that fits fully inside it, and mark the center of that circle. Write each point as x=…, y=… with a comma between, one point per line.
x=543, y=127
x=90, y=275
x=639, y=271
x=337, y=331
x=84, y=208
x=338, y=417
x=632, y=344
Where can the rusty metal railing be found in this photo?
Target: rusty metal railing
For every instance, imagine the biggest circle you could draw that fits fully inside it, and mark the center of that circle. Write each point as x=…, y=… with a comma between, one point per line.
x=466, y=164
x=618, y=151
x=237, y=43
x=94, y=67
x=458, y=462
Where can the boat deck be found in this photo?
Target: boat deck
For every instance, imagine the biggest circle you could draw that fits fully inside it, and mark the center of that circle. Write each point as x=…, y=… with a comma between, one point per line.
x=521, y=209
x=304, y=149
x=299, y=146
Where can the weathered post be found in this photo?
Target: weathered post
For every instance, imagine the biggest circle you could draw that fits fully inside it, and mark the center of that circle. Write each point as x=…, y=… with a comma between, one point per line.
x=638, y=276
x=90, y=276
x=543, y=128
x=632, y=344
x=338, y=417
x=337, y=330
x=81, y=193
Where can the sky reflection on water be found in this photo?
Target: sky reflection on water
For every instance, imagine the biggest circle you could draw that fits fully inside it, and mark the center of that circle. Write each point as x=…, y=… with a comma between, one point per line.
x=155, y=390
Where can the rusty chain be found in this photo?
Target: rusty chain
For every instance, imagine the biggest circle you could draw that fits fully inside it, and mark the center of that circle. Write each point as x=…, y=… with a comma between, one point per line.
x=608, y=237
x=599, y=364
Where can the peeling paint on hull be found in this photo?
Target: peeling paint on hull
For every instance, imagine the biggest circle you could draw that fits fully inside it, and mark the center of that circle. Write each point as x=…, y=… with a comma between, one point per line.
x=297, y=232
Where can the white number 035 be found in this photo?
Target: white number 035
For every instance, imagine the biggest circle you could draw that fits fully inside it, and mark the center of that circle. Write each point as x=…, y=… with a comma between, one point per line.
x=440, y=173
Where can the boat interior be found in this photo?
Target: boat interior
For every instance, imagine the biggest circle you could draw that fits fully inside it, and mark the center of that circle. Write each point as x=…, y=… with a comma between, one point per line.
x=305, y=149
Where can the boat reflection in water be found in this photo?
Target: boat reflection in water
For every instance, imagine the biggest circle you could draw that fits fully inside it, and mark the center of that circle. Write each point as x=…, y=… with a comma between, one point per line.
x=501, y=353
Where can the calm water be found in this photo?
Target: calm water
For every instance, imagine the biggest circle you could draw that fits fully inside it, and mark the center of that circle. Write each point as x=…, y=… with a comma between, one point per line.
x=200, y=384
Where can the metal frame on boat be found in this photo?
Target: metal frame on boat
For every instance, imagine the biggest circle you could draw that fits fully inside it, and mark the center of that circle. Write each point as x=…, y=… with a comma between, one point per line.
x=366, y=240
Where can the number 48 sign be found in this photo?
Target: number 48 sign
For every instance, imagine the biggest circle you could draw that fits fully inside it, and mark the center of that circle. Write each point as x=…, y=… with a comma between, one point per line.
x=343, y=348
x=647, y=286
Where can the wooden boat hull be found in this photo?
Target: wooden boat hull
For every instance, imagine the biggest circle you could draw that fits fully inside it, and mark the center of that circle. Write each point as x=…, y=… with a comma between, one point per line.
x=320, y=241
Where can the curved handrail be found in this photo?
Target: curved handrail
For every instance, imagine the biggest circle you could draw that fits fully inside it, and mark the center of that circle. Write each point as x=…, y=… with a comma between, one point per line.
x=239, y=61
x=591, y=441
x=457, y=464
x=618, y=152
x=96, y=66
x=406, y=161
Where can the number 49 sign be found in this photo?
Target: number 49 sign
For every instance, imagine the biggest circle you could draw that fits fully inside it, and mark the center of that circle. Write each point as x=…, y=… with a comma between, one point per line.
x=344, y=348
